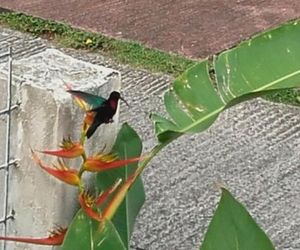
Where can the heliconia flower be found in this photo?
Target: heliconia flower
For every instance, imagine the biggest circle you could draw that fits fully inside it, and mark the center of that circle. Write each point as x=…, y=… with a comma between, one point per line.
x=60, y=171
x=104, y=195
x=111, y=208
x=87, y=204
x=69, y=149
x=90, y=204
x=101, y=162
x=55, y=238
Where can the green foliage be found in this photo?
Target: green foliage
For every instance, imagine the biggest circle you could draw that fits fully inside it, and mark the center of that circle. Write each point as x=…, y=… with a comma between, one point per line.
x=127, y=145
x=232, y=227
x=251, y=69
x=33, y=25
x=287, y=96
x=124, y=51
x=84, y=233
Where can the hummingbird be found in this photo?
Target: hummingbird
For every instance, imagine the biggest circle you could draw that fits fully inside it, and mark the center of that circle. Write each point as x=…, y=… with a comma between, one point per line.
x=104, y=109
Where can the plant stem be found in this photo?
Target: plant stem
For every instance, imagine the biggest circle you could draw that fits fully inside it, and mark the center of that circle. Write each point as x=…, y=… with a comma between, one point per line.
x=122, y=192
x=82, y=168
x=153, y=153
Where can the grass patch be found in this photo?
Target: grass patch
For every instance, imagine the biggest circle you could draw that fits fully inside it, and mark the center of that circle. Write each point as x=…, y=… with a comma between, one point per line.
x=286, y=96
x=128, y=52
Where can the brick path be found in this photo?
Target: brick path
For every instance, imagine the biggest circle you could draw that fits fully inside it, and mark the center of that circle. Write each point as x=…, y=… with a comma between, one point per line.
x=193, y=28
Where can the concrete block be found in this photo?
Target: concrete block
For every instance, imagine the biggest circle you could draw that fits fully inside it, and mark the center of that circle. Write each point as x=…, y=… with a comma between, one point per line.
x=46, y=115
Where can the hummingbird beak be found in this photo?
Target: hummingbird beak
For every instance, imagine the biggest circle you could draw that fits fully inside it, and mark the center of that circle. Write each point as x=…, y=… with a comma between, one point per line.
x=124, y=101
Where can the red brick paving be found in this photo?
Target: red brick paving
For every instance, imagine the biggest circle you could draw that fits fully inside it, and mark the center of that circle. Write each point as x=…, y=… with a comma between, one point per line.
x=190, y=27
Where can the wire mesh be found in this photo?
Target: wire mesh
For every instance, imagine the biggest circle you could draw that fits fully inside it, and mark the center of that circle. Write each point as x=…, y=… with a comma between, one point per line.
x=5, y=115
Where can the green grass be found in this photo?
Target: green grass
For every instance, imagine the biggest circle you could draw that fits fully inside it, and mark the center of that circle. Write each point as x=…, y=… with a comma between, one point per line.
x=286, y=96
x=128, y=52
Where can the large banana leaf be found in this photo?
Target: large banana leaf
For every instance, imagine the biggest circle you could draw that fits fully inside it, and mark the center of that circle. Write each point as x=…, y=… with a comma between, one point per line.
x=84, y=233
x=269, y=61
x=232, y=227
x=127, y=145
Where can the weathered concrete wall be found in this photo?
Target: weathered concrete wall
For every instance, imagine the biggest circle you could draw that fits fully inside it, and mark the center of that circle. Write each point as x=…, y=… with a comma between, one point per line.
x=46, y=115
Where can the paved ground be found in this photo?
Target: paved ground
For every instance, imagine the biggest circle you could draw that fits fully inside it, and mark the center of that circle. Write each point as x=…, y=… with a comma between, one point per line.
x=254, y=148
x=193, y=28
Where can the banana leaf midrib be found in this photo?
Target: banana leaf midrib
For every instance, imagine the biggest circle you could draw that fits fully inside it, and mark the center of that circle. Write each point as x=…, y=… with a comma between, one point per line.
x=216, y=111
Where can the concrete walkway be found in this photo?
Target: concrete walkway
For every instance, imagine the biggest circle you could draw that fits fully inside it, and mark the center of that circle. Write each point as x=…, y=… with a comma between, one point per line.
x=253, y=148
x=193, y=28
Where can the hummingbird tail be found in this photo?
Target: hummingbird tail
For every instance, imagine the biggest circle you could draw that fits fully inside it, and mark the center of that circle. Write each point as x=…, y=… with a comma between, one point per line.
x=91, y=130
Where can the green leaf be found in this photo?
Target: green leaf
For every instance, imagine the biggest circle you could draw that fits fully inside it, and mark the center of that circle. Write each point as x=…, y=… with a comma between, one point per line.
x=232, y=228
x=127, y=145
x=267, y=62
x=84, y=233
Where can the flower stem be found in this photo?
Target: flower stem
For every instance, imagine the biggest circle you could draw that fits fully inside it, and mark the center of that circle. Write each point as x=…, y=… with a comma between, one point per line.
x=82, y=168
x=122, y=192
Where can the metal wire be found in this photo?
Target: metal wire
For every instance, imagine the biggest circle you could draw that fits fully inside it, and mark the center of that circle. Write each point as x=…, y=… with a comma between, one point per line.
x=8, y=162
x=4, y=166
x=5, y=111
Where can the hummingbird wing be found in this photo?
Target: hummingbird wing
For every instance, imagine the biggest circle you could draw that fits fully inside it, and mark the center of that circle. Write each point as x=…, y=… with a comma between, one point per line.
x=90, y=101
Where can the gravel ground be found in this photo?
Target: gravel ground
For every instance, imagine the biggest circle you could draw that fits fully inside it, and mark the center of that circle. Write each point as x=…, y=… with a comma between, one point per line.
x=253, y=148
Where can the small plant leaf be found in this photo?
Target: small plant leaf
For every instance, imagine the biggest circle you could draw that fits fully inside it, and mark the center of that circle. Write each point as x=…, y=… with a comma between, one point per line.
x=127, y=145
x=267, y=62
x=85, y=233
x=232, y=227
